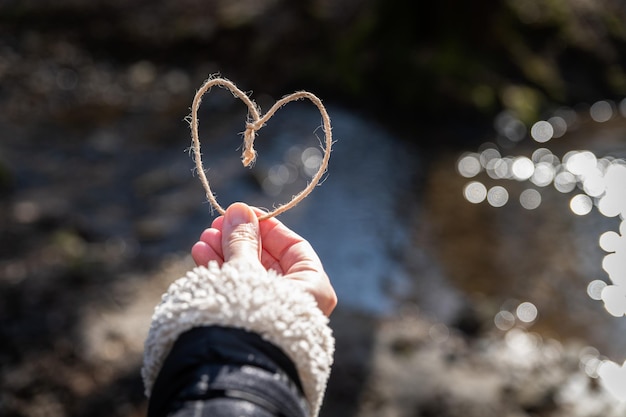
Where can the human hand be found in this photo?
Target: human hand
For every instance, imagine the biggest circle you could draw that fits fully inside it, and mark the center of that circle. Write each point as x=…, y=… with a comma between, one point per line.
x=239, y=236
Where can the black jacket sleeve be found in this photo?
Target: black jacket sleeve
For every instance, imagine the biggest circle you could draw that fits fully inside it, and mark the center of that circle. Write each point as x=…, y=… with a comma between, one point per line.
x=233, y=335
x=220, y=371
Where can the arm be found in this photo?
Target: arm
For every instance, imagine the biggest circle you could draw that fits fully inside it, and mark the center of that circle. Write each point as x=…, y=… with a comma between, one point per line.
x=226, y=371
x=250, y=316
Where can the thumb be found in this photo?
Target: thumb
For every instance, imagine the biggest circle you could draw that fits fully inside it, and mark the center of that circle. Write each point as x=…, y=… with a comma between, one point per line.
x=241, y=238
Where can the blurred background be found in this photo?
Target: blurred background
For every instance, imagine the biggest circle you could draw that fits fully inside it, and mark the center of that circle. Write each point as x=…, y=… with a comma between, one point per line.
x=475, y=188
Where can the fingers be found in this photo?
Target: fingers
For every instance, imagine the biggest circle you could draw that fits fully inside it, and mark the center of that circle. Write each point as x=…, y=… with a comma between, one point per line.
x=210, y=247
x=217, y=223
x=286, y=246
x=202, y=253
x=241, y=239
x=237, y=235
x=282, y=248
x=213, y=238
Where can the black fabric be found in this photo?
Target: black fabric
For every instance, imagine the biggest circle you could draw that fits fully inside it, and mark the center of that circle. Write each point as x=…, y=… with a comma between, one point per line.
x=229, y=367
x=221, y=407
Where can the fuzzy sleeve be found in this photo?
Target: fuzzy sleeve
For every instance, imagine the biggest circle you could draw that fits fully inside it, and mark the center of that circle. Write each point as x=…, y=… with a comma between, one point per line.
x=258, y=301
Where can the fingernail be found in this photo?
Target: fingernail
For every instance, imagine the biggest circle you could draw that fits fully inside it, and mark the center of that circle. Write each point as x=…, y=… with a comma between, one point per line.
x=239, y=213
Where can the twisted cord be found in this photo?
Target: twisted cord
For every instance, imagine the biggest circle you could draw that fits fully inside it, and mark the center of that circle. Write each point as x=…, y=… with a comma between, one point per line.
x=254, y=124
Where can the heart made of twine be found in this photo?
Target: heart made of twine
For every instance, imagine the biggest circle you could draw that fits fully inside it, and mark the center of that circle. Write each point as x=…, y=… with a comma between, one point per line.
x=255, y=122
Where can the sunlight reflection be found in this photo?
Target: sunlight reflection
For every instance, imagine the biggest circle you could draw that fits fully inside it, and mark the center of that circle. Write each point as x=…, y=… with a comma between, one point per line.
x=542, y=155
x=510, y=127
x=610, y=241
x=526, y=312
x=542, y=131
x=603, y=180
x=522, y=342
x=601, y=183
x=504, y=320
x=594, y=289
x=613, y=378
x=475, y=192
x=469, y=165
x=589, y=361
x=581, y=204
x=490, y=153
x=565, y=182
x=277, y=176
x=311, y=161
x=497, y=196
x=530, y=199
x=601, y=111
x=614, y=296
x=580, y=163
x=296, y=163
x=523, y=168
x=559, y=126
x=543, y=174
x=499, y=168
x=613, y=202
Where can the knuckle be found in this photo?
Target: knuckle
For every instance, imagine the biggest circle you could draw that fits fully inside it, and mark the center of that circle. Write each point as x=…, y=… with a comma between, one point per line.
x=243, y=233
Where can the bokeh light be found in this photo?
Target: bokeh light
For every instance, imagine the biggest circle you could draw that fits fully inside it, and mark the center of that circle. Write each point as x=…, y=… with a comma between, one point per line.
x=614, y=264
x=510, y=127
x=610, y=241
x=490, y=153
x=526, y=312
x=499, y=168
x=504, y=320
x=580, y=162
x=613, y=202
x=542, y=131
x=277, y=176
x=469, y=165
x=594, y=289
x=523, y=168
x=600, y=181
x=522, y=342
x=297, y=163
x=530, y=199
x=311, y=160
x=601, y=111
x=614, y=297
x=581, y=204
x=559, y=126
x=475, y=192
x=497, y=196
x=589, y=361
x=543, y=174
x=544, y=155
x=613, y=377
x=565, y=182
x=622, y=107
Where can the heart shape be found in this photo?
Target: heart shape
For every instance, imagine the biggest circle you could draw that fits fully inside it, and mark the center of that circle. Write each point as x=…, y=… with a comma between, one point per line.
x=257, y=121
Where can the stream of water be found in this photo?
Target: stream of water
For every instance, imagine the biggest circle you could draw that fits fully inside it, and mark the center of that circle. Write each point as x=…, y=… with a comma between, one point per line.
x=515, y=233
x=527, y=229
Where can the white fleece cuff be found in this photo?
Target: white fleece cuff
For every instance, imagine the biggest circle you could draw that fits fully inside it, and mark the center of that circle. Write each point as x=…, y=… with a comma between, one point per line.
x=255, y=300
